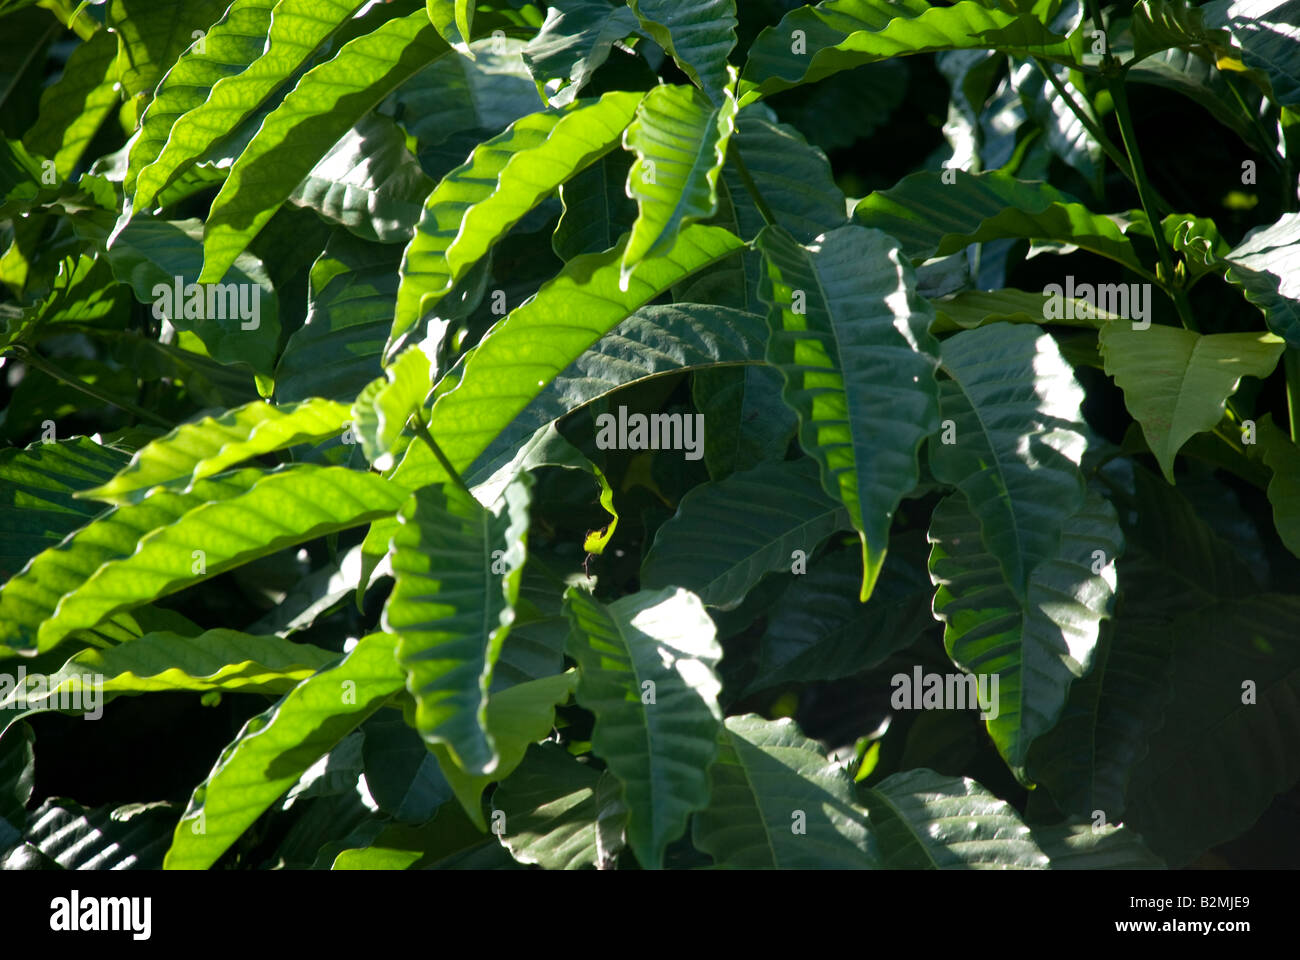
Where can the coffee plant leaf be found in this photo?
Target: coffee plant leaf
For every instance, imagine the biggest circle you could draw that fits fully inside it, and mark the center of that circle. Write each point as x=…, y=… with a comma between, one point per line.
x=699, y=36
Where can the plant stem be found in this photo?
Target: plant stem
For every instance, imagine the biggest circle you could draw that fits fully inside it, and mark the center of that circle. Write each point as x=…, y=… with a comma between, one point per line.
x=32, y=359
x=751, y=187
x=422, y=431
x=1291, y=364
x=1129, y=135
x=1116, y=155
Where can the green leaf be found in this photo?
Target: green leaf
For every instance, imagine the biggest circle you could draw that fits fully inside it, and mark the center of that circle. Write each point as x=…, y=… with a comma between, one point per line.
x=479, y=201
x=129, y=837
x=726, y=535
x=1012, y=414
x=574, y=42
x=1267, y=33
x=206, y=447
x=746, y=423
x=551, y=810
x=326, y=103
x=1283, y=458
x=699, y=35
x=38, y=506
x=257, y=68
x=382, y=409
x=74, y=107
x=516, y=717
x=976, y=308
x=277, y=746
x=1035, y=647
x=842, y=34
x=680, y=140
x=151, y=36
x=368, y=182
x=457, y=565
x=775, y=802
x=233, y=43
x=162, y=661
x=279, y=510
x=336, y=352
x=1225, y=750
x=647, y=672
x=1265, y=266
x=931, y=218
x=150, y=254
x=537, y=340
x=851, y=337
x=927, y=821
x=452, y=19
x=818, y=630
x=401, y=774
x=29, y=598
x=17, y=775
x=1176, y=383
x=597, y=209
x=1160, y=24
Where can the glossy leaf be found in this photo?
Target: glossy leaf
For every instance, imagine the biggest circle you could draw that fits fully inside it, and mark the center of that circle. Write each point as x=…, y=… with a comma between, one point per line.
x=699, y=36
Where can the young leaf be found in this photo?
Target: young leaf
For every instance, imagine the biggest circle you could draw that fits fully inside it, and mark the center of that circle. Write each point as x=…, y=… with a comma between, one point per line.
x=326, y=103
x=276, y=747
x=851, y=337
x=457, y=565
x=646, y=666
x=479, y=201
x=726, y=535
x=775, y=802
x=680, y=140
x=1012, y=441
x=1176, y=382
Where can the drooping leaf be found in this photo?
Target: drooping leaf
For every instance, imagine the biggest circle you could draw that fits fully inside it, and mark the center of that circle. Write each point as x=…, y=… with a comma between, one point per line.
x=453, y=18
x=775, y=802
x=647, y=672
x=1036, y=646
x=457, y=565
x=1265, y=266
x=726, y=535
x=275, y=747
x=478, y=202
x=38, y=506
x=129, y=837
x=699, y=35
x=382, y=409
x=813, y=42
x=851, y=337
x=931, y=218
x=208, y=114
x=1269, y=36
x=1283, y=458
x=17, y=775
x=1011, y=441
x=278, y=510
x=326, y=103
x=201, y=449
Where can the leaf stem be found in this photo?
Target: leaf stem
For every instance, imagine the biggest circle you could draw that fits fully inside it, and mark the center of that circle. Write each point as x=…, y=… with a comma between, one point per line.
x=1291, y=364
x=422, y=431
x=751, y=187
x=29, y=356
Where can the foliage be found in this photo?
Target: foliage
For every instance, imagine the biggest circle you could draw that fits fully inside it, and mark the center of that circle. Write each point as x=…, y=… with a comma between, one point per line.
x=497, y=434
